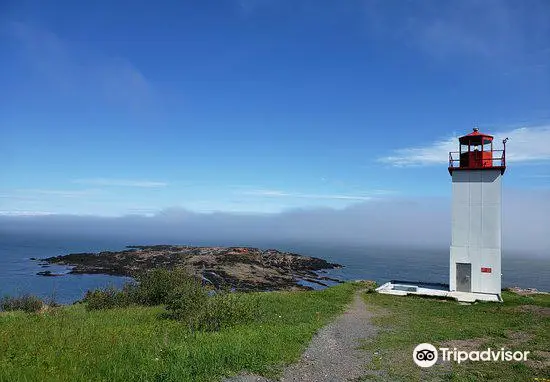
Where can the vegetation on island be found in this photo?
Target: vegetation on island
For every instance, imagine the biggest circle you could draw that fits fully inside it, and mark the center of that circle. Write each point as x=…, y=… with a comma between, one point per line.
x=240, y=268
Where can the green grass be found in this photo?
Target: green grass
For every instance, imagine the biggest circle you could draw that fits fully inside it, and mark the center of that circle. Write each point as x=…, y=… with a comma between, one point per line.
x=408, y=321
x=136, y=344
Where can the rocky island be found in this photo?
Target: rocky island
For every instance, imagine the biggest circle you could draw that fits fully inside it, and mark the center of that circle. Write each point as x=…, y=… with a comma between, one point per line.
x=241, y=268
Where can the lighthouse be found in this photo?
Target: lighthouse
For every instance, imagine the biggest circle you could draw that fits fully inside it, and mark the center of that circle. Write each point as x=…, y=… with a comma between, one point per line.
x=474, y=274
x=475, y=254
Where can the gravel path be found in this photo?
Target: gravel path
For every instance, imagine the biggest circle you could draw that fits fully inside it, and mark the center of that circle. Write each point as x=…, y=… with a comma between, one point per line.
x=333, y=354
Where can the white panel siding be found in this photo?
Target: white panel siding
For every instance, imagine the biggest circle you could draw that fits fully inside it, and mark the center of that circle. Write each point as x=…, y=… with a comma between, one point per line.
x=475, y=186
x=491, y=226
x=475, y=253
x=492, y=187
x=461, y=224
x=476, y=231
x=461, y=188
x=489, y=282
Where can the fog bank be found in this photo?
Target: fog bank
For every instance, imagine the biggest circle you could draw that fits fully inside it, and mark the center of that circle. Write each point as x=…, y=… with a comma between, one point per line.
x=410, y=222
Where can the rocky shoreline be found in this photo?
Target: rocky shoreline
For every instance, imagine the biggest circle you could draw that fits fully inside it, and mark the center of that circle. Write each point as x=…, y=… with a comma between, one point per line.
x=241, y=268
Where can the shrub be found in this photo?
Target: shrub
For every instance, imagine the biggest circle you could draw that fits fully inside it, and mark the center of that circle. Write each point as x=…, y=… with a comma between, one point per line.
x=215, y=312
x=27, y=303
x=368, y=286
x=189, y=298
x=106, y=299
x=157, y=286
x=185, y=297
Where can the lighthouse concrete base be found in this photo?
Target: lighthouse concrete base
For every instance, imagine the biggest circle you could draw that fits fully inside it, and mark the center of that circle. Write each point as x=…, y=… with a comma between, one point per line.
x=399, y=288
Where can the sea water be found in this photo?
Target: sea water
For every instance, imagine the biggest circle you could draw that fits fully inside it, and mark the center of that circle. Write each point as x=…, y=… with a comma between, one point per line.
x=18, y=273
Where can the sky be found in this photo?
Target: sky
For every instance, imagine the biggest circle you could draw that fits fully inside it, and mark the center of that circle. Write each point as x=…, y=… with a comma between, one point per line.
x=263, y=109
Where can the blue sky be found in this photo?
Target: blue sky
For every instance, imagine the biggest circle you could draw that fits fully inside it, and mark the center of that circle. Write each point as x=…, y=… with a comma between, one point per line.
x=252, y=106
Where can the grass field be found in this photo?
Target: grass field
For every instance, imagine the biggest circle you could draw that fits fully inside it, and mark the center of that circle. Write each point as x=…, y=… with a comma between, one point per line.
x=136, y=343
x=520, y=323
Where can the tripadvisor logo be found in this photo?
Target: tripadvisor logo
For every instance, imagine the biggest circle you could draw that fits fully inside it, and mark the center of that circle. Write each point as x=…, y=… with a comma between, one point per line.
x=426, y=355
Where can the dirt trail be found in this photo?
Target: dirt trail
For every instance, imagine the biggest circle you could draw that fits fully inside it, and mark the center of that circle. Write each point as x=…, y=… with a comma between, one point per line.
x=333, y=354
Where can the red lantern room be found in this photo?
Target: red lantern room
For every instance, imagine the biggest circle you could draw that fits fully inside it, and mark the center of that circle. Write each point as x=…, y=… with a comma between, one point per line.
x=476, y=153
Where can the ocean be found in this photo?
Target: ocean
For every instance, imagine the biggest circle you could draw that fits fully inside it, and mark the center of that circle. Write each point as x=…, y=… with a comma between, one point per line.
x=18, y=273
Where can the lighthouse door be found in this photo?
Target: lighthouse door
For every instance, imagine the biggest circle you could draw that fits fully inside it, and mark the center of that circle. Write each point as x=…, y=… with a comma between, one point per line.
x=463, y=277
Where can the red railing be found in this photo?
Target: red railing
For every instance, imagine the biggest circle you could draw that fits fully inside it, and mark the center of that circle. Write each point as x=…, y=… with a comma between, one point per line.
x=454, y=159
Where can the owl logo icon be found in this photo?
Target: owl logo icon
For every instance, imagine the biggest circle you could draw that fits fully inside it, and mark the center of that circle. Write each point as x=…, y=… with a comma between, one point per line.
x=425, y=355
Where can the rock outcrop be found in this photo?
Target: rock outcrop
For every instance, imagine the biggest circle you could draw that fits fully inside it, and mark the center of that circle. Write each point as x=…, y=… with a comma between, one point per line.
x=241, y=268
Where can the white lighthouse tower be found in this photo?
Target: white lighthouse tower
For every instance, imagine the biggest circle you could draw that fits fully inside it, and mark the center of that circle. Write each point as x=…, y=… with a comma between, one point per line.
x=476, y=170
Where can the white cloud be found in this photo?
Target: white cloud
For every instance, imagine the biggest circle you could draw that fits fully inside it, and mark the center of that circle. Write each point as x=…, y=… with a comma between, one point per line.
x=436, y=153
x=33, y=193
x=525, y=144
x=528, y=144
x=24, y=213
x=43, y=201
x=284, y=194
x=121, y=183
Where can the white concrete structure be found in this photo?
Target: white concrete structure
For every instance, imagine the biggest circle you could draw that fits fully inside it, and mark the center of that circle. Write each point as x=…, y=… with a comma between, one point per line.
x=475, y=255
x=403, y=289
x=476, y=232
